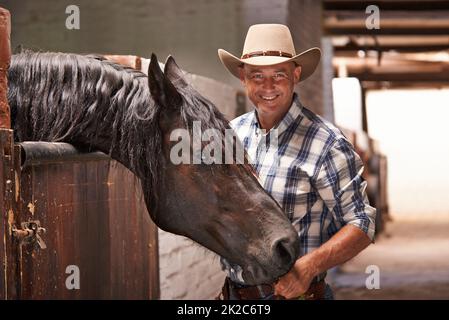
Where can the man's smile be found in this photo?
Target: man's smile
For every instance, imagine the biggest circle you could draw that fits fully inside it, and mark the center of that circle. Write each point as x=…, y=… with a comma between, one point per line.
x=269, y=97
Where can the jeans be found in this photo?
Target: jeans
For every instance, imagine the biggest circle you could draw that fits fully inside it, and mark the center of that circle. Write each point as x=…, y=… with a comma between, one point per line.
x=328, y=294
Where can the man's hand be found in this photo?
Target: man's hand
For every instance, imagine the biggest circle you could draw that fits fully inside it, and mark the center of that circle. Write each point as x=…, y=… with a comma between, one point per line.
x=344, y=245
x=297, y=281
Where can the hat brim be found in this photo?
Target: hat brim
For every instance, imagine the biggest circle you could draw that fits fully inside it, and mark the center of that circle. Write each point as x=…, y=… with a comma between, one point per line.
x=308, y=60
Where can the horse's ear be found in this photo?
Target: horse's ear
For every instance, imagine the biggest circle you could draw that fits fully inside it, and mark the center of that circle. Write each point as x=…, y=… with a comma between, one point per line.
x=162, y=90
x=174, y=73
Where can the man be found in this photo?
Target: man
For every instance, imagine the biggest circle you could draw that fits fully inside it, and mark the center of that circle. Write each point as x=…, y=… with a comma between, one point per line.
x=312, y=170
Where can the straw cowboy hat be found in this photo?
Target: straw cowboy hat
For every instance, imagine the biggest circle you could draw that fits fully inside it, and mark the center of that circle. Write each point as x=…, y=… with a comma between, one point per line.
x=270, y=44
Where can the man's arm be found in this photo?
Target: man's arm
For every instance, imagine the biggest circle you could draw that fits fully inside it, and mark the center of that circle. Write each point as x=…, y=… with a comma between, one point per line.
x=342, y=188
x=341, y=247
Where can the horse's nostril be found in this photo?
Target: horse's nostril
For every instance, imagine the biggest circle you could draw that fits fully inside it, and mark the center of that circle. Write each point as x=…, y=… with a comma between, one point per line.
x=285, y=251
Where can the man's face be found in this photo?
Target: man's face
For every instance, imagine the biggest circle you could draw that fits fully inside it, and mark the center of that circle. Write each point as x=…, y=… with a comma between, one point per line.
x=270, y=88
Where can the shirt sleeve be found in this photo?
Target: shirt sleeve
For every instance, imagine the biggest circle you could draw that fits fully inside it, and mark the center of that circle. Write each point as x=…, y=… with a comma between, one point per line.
x=341, y=186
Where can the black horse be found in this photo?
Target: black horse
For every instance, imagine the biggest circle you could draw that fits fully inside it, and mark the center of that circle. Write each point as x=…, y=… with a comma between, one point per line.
x=99, y=105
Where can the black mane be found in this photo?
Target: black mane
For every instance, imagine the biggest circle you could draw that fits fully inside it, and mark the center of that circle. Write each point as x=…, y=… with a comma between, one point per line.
x=96, y=104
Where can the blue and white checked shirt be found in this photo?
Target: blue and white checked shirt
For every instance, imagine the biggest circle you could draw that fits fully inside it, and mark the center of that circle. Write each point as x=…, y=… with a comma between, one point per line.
x=313, y=172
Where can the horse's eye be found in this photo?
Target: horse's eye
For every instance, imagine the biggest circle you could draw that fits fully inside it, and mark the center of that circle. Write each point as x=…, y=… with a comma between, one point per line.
x=226, y=209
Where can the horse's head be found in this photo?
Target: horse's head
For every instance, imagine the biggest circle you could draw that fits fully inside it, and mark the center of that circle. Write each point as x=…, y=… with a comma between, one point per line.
x=101, y=105
x=221, y=206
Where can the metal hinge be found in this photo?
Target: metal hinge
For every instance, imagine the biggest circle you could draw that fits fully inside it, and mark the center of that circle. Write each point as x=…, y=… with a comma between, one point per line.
x=29, y=233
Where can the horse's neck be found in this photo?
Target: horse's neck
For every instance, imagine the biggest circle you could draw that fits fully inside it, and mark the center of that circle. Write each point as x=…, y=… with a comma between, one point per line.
x=114, y=139
x=109, y=119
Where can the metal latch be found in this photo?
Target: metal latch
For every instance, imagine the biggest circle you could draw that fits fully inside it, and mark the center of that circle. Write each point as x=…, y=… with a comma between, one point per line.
x=30, y=233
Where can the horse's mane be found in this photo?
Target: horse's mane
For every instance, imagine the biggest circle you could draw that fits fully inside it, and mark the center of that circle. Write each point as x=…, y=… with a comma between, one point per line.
x=87, y=100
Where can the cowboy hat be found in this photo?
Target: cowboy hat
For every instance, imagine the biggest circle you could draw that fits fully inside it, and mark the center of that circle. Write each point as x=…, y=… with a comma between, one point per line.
x=270, y=44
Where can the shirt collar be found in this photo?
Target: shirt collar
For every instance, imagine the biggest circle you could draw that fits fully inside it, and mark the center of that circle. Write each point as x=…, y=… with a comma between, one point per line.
x=292, y=114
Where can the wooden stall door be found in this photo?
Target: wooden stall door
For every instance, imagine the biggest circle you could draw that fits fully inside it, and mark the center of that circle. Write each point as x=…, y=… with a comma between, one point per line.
x=98, y=242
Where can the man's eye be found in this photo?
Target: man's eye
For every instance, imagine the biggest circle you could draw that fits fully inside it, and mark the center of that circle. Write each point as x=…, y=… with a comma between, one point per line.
x=257, y=76
x=280, y=75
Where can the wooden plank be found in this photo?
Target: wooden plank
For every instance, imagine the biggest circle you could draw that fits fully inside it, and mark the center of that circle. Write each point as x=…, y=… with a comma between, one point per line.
x=9, y=266
x=95, y=219
x=126, y=60
x=136, y=248
x=411, y=77
x=352, y=49
x=4, y=233
x=37, y=266
x=5, y=59
x=150, y=241
x=333, y=25
x=387, y=15
x=357, y=5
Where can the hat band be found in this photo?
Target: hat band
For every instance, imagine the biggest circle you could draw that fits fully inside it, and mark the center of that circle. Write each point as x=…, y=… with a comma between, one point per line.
x=267, y=53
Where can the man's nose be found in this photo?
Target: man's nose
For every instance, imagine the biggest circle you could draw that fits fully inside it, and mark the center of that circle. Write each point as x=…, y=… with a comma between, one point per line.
x=268, y=83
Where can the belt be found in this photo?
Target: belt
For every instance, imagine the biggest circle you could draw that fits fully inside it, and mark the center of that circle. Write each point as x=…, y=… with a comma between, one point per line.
x=230, y=289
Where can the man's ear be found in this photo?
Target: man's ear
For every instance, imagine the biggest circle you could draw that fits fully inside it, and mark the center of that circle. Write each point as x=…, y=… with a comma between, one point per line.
x=297, y=74
x=242, y=74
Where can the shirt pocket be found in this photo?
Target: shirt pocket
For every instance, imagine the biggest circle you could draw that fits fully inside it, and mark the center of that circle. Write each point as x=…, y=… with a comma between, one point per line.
x=297, y=181
x=296, y=192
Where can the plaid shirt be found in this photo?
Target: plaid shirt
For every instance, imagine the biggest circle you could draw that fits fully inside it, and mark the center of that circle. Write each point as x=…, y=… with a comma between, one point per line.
x=313, y=172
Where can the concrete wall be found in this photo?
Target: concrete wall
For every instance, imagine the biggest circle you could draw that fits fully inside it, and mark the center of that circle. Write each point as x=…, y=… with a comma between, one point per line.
x=192, y=30
x=304, y=20
x=187, y=271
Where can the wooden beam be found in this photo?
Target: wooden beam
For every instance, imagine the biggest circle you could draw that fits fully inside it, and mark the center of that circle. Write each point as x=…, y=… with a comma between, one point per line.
x=342, y=30
x=351, y=48
x=334, y=26
x=404, y=14
x=386, y=5
x=369, y=85
x=408, y=77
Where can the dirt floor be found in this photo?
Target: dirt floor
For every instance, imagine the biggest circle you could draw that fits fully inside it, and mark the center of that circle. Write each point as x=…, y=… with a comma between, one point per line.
x=413, y=262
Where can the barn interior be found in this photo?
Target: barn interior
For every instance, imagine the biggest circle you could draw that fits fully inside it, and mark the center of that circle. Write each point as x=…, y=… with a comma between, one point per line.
x=383, y=80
